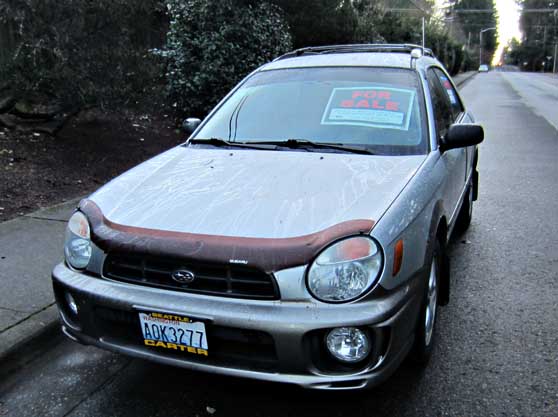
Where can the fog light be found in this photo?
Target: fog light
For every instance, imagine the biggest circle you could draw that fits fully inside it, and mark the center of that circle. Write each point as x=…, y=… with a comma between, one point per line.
x=348, y=344
x=71, y=303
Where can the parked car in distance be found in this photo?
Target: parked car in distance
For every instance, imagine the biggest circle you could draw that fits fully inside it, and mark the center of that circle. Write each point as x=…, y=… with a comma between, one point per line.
x=298, y=236
x=483, y=68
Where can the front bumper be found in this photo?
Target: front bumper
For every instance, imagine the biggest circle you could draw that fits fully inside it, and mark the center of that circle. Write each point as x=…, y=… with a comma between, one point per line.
x=279, y=341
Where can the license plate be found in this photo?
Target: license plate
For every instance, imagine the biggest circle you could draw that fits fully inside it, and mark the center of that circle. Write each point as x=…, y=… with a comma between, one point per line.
x=174, y=332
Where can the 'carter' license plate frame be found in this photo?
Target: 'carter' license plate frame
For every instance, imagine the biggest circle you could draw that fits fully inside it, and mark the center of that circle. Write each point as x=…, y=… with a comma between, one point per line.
x=174, y=332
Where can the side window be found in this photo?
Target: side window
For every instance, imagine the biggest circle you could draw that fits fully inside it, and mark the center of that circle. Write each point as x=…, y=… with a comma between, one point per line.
x=456, y=106
x=440, y=101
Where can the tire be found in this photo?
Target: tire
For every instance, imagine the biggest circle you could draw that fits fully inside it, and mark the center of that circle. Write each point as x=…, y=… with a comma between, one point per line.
x=466, y=213
x=426, y=322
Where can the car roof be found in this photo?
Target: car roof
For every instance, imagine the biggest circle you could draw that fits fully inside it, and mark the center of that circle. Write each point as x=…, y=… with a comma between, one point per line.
x=391, y=56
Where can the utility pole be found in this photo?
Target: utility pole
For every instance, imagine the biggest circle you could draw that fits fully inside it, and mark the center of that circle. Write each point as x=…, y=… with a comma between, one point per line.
x=480, y=42
x=555, y=56
x=555, y=43
x=423, y=32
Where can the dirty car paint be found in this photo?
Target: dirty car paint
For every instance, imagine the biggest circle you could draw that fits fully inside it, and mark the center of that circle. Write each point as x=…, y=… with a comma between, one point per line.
x=253, y=193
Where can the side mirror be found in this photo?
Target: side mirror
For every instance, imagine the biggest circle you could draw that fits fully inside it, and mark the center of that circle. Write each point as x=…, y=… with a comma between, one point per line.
x=190, y=124
x=462, y=135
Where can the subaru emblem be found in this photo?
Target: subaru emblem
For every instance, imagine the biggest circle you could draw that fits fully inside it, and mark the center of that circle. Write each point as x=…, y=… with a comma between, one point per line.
x=183, y=276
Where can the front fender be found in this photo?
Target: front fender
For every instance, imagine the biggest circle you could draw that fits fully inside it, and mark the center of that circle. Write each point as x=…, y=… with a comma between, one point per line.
x=414, y=217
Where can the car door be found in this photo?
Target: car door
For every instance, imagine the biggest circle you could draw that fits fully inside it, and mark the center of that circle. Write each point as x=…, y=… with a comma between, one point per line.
x=447, y=112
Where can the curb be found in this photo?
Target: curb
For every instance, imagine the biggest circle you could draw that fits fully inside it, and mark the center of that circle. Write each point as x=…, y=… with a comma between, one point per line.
x=21, y=342
x=467, y=77
x=40, y=330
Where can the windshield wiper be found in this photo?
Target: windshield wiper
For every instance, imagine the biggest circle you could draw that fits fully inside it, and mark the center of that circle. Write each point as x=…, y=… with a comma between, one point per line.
x=289, y=143
x=223, y=142
x=306, y=144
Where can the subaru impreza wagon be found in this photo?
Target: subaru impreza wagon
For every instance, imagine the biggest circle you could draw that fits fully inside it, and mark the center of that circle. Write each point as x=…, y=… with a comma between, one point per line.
x=299, y=235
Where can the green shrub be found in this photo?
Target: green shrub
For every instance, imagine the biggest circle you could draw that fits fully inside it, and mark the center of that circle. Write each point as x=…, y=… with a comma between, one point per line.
x=212, y=44
x=82, y=52
x=319, y=22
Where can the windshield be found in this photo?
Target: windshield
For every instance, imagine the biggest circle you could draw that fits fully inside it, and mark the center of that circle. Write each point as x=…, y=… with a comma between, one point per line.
x=378, y=108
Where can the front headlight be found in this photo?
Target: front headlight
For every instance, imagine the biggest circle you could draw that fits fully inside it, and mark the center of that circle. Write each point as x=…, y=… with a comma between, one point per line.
x=77, y=247
x=345, y=270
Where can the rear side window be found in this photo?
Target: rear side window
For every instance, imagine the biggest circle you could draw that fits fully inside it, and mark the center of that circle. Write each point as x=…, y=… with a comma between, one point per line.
x=443, y=112
x=451, y=94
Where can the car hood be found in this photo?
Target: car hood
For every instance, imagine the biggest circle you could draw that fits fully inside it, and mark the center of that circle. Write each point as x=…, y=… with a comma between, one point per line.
x=254, y=193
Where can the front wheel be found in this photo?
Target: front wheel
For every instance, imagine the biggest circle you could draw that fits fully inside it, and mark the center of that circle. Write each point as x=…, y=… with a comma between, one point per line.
x=424, y=333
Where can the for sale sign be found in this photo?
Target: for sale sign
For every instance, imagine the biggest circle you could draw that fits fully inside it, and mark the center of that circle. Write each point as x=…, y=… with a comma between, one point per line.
x=381, y=107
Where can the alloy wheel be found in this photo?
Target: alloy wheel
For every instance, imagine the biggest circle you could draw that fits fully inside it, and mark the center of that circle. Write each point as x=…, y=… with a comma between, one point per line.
x=431, y=302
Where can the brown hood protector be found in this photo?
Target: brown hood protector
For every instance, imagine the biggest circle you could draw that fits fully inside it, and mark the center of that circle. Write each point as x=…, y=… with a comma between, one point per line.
x=266, y=254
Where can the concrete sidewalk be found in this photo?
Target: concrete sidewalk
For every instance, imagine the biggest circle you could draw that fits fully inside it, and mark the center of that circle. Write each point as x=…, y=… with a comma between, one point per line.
x=461, y=79
x=30, y=246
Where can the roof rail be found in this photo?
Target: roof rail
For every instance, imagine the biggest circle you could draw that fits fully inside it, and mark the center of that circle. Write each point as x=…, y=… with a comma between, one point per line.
x=365, y=47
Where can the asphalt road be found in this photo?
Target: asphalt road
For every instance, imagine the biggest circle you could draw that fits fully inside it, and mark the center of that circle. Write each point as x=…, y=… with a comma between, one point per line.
x=496, y=350
x=538, y=91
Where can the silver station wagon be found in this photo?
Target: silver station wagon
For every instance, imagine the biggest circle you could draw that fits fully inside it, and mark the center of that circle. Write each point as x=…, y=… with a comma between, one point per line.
x=298, y=236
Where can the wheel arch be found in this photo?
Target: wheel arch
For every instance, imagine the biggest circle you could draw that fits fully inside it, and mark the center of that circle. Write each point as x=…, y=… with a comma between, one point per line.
x=439, y=232
x=476, y=175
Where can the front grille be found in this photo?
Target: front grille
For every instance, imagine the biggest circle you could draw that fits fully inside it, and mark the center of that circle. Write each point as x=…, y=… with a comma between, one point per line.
x=222, y=280
x=228, y=346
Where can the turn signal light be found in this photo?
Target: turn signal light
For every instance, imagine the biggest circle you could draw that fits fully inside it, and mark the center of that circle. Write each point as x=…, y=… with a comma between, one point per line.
x=397, y=257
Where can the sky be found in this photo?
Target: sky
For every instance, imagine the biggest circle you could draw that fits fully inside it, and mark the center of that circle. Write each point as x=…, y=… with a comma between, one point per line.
x=508, y=24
